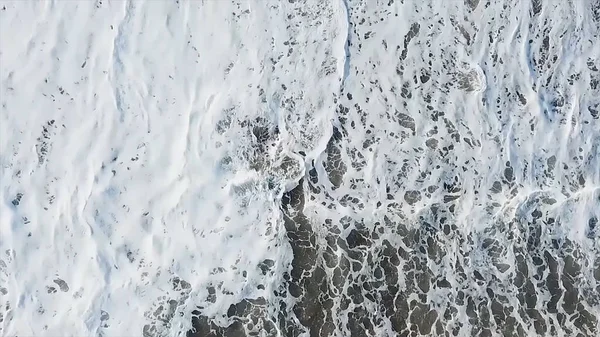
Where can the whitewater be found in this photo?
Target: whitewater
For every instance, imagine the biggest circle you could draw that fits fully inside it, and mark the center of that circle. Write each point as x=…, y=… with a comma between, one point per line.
x=300, y=168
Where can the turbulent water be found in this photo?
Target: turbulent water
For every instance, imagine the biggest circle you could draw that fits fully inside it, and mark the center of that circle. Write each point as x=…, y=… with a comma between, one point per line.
x=300, y=168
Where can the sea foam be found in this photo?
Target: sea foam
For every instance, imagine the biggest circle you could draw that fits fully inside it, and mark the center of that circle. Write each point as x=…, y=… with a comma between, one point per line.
x=300, y=168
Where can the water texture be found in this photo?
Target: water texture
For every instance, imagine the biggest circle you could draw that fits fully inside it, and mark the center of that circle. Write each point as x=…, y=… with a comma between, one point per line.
x=300, y=168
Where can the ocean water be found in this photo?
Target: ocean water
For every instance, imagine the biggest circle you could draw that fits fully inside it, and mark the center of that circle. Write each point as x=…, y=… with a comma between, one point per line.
x=300, y=168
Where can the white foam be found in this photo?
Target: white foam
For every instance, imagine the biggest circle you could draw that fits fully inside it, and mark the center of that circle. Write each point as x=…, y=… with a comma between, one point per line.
x=128, y=157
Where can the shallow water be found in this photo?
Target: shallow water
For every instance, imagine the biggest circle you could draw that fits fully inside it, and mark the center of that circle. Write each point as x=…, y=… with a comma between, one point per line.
x=300, y=168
